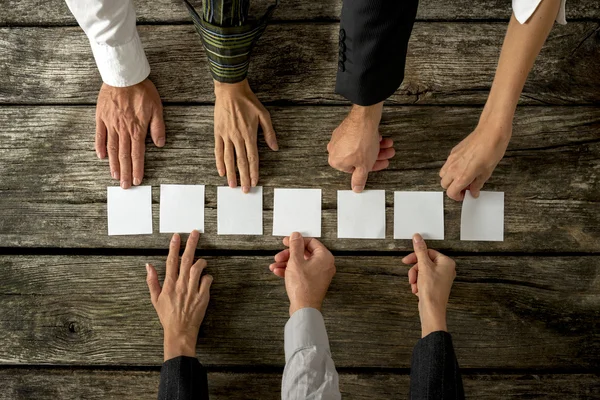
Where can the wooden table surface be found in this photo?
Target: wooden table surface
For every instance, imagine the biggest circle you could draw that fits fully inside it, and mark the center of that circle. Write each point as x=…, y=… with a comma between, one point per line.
x=75, y=315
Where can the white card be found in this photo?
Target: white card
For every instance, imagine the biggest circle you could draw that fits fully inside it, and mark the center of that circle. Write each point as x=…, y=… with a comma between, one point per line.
x=419, y=212
x=361, y=215
x=129, y=210
x=239, y=213
x=297, y=210
x=181, y=208
x=482, y=218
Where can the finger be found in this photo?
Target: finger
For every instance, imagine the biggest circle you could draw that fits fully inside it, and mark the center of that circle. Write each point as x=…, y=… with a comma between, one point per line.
x=113, y=154
x=434, y=255
x=280, y=272
x=282, y=256
x=268, y=131
x=153, y=284
x=138, y=149
x=386, y=154
x=230, y=164
x=157, y=126
x=252, y=152
x=444, y=169
x=188, y=255
x=242, y=164
x=386, y=143
x=219, y=149
x=379, y=165
x=172, y=270
x=204, y=290
x=100, y=138
x=125, y=160
x=195, y=274
x=456, y=189
x=447, y=181
x=359, y=179
x=310, y=244
x=296, y=247
x=421, y=249
x=410, y=259
x=413, y=274
x=414, y=288
x=277, y=265
x=476, y=185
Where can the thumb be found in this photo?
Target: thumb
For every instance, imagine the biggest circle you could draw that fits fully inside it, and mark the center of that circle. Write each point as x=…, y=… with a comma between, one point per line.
x=153, y=285
x=296, y=247
x=157, y=127
x=268, y=130
x=359, y=179
x=421, y=250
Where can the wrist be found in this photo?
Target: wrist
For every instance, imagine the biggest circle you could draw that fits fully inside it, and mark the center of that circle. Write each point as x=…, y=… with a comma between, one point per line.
x=433, y=317
x=371, y=111
x=298, y=306
x=223, y=88
x=177, y=346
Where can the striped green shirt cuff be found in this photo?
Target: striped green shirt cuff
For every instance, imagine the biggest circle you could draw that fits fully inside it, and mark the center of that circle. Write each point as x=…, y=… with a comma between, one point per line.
x=228, y=48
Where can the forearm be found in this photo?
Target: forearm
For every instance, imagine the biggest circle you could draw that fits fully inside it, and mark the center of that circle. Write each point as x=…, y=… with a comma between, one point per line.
x=522, y=45
x=183, y=378
x=434, y=372
x=309, y=371
x=111, y=30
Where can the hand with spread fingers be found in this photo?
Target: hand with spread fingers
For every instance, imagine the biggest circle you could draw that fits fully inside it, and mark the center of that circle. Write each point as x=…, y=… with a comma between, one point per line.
x=182, y=300
x=123, y=117
x=430, y=279
x=308, y=268
x=356, y=146
x=472, y=162
x=238, y=114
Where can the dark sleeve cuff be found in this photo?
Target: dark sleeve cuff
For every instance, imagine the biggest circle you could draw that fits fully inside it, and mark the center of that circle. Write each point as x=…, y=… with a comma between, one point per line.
x=183, y=378
x=434, y=372
x=228, y=48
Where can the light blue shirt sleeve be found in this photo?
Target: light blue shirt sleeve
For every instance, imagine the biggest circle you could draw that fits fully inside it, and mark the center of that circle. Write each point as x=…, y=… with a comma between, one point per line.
x=309, y=369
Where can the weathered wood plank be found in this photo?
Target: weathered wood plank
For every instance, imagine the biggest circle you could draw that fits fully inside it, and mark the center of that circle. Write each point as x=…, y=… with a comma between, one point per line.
x=51, y=384
x=55, y=12
x=53, y=188
x=504, y=312
x=448, y=63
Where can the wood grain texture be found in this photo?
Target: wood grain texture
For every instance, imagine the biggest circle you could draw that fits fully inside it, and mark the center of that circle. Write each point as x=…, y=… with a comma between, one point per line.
x=55, y=12
x=65, y=384
x=53, y=188
x=504, y=312
x=448, y=63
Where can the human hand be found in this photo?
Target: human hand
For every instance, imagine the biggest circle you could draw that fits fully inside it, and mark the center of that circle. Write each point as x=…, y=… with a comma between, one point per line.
x=430, y=279
x=181, y=302
x=356, y=146
x=238, y=112
x=123, y=116
x=473, y=160
x=307, y=267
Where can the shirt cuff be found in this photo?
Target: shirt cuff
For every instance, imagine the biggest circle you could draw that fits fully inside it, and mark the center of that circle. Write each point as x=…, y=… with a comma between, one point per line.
x=305, y=328
x=123, y=65
x=228, y=48
x=524, y=9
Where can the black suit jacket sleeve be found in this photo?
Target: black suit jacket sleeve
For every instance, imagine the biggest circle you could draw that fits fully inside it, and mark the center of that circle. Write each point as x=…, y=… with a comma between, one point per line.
x=372, y=48
x=434, y=372
x=183, y=378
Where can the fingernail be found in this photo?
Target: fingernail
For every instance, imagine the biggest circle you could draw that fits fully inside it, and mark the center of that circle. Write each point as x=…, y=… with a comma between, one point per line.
x=97, y=154
x=295, y=235
x=275, y=146
x=174, y=238
x=232, y=184
x=115, y=175
x=417, y=239
x=148, y=268
x=124, y=185
x=253, y=183
x=161, y=142
x=221, y=172
x=194, y=233
x=136, y=181
x=358, y=189
x=245, y=189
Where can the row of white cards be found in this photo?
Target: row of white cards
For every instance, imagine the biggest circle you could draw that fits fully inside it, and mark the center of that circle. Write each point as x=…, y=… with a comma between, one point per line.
x=359, y=215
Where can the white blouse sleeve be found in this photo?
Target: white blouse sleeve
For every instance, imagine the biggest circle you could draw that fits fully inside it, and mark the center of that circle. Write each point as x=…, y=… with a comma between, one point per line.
x=524, y=9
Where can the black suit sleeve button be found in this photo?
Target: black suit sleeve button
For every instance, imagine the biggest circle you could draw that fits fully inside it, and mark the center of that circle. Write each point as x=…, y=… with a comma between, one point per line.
x=342, y=34
x=342, y=46
x=341, y=67
x=342, y=57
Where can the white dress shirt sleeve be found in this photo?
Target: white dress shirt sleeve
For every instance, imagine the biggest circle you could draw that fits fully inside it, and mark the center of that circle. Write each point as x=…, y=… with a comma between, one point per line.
x=110, y=27
x=524, y=9
x=309, y=370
